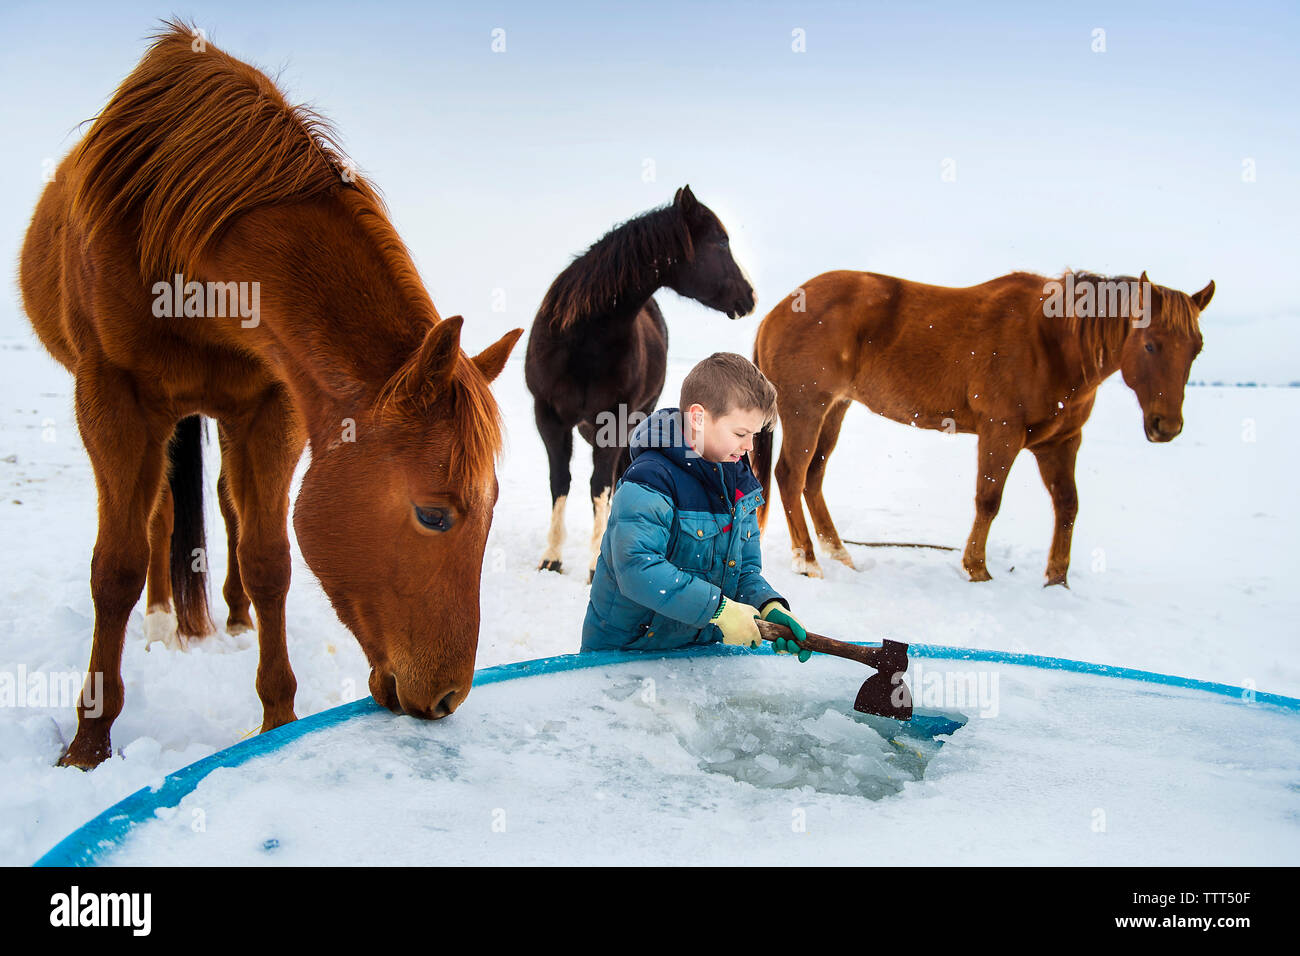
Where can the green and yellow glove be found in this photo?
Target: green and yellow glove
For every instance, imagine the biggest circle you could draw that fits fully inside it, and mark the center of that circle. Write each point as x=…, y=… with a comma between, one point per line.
x=775, y=612
x=736, y=621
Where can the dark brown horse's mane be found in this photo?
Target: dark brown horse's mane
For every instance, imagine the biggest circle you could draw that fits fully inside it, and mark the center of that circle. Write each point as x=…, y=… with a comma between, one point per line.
x=624, y=258
x=193, y=139
x=1101, y=338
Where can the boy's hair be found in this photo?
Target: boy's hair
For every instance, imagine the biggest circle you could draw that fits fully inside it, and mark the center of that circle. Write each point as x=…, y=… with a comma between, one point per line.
x=724, y=382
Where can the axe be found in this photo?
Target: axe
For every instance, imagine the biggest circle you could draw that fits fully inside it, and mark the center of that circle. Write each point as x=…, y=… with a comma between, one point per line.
x=883, y=693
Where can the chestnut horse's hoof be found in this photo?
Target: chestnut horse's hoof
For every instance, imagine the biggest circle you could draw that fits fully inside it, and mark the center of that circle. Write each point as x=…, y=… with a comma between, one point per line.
x=549, y=566
x=1056, y=579
x=85, y=757
x=237, y=626
x=979, y=574
x=591, y=576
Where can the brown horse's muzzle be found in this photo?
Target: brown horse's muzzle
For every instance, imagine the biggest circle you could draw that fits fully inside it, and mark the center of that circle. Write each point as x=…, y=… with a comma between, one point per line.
x=389, y=692
x=1162, y=428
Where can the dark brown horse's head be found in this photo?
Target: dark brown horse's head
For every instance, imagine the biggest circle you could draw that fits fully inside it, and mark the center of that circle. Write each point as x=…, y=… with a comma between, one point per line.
x=709, y=274
x=1158, y=352
x=394, y=523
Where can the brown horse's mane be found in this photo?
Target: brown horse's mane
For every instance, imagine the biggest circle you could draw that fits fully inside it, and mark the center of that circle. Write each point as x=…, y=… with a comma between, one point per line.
x=193, y=140
x=1101, y=338
x=620, y=261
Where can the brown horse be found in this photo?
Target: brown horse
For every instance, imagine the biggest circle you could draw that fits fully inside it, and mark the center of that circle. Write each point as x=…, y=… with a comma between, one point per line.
x=1015, y=361
x=205, y=249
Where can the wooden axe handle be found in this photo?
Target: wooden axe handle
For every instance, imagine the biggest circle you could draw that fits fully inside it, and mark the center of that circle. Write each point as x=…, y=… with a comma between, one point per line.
x=770, y=631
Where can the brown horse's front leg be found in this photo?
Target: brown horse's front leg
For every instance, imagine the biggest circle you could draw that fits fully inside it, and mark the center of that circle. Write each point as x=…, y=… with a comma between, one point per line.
x=998, y=447
x=126, y=451
x=260, y=453
x=1056, y=465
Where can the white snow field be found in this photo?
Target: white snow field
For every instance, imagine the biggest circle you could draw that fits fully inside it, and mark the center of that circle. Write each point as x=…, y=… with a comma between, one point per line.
x=1182, y=564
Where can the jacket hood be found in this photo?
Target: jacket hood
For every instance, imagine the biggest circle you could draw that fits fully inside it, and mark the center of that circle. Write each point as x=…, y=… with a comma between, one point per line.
x=664, y=432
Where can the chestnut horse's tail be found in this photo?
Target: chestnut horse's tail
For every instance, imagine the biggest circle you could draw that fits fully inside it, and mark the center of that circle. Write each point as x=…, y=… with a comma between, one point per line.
x=188, y=575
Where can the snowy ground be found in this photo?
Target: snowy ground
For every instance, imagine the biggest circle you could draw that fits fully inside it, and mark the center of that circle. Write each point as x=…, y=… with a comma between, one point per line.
x=1181, y=564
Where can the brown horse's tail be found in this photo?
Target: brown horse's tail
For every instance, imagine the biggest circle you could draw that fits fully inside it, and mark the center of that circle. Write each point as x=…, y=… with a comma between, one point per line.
x=760, y=459
x=188, y=568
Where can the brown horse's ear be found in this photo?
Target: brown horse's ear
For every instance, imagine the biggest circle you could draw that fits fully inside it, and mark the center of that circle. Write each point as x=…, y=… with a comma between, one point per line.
x=1144, y=280
x=1202, y=298
x=437, y=357
x=685, y=200
x=493, y=358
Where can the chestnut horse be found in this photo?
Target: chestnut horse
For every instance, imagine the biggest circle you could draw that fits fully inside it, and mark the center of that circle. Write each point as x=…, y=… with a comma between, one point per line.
x=598, y=350
x=199, y=176
x=1015, y=361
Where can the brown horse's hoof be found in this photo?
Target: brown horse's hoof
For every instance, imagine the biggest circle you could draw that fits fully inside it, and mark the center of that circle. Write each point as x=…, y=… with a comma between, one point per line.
x=1056, y=579
x=591, y=576
x=238, y=625
x=270, y=723
x=549, y=566
x=85, y=757
x=979, y=574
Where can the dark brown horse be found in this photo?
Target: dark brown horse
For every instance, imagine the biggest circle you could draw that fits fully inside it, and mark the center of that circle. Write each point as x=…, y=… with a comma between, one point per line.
x=598, y=350
x=1015, y=361
x=206, y=250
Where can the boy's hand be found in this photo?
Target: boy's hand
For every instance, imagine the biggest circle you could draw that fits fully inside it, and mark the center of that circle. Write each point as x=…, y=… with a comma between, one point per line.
x=736, y=621
x=775, y=612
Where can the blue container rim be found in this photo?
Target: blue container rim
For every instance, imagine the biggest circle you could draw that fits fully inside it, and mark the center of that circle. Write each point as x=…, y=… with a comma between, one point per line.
x=105, y=832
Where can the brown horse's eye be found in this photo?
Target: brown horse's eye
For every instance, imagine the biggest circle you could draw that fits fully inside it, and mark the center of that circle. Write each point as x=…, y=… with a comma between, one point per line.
x=1150, y=347
x=435, y=519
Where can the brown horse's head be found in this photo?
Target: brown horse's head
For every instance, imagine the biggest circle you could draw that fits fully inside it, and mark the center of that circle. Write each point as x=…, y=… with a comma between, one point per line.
x=709, y=274
x=394, y=523
x=1157, y=354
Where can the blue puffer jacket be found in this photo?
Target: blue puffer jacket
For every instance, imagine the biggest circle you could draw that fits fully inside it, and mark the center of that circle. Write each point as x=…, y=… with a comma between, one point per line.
x=679, y=537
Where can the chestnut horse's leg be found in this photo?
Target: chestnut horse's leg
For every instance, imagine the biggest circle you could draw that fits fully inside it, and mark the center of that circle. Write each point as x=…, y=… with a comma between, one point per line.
x=558, y=439
x=127, y=450
x=800, y=428
x=998, y=447
x=821, y=516
x=159, y=616
x=259, y=456
x=238, y=621
x=1056, y=465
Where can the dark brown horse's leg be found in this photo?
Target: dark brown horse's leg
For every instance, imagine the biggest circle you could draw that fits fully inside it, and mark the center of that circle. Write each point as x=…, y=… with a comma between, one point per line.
x=159, y=616
x=998, y=447
x=604, y=464
x=262, y=449
x=127, y=451
x=799, y=430
x=238, y=620
x=1056, y=465
x=821, y=516
x=558, y=439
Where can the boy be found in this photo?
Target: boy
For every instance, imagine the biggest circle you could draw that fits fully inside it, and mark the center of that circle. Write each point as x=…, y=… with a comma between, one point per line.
x=680, y=562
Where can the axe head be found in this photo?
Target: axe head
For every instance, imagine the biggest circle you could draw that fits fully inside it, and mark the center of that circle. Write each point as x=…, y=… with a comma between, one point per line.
x=884, y=694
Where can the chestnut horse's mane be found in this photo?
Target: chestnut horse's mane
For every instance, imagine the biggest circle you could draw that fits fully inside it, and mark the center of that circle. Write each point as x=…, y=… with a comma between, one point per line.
x=193, y=139
x=618, y=262
x=1104, y=336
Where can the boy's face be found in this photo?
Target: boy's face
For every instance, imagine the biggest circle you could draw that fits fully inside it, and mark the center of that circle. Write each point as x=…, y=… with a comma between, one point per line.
x=725, y=438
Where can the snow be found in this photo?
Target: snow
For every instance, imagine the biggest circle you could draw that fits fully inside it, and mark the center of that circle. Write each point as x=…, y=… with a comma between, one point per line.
x=717, y=761
x=1182, y=563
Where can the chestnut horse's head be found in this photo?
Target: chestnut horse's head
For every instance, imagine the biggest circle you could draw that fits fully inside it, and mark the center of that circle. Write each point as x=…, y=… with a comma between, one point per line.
x=1158, y=352
x=394, y=523
x=709, y=274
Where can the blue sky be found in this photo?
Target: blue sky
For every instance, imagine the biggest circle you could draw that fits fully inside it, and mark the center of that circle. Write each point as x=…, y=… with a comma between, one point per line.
x=500, y=167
